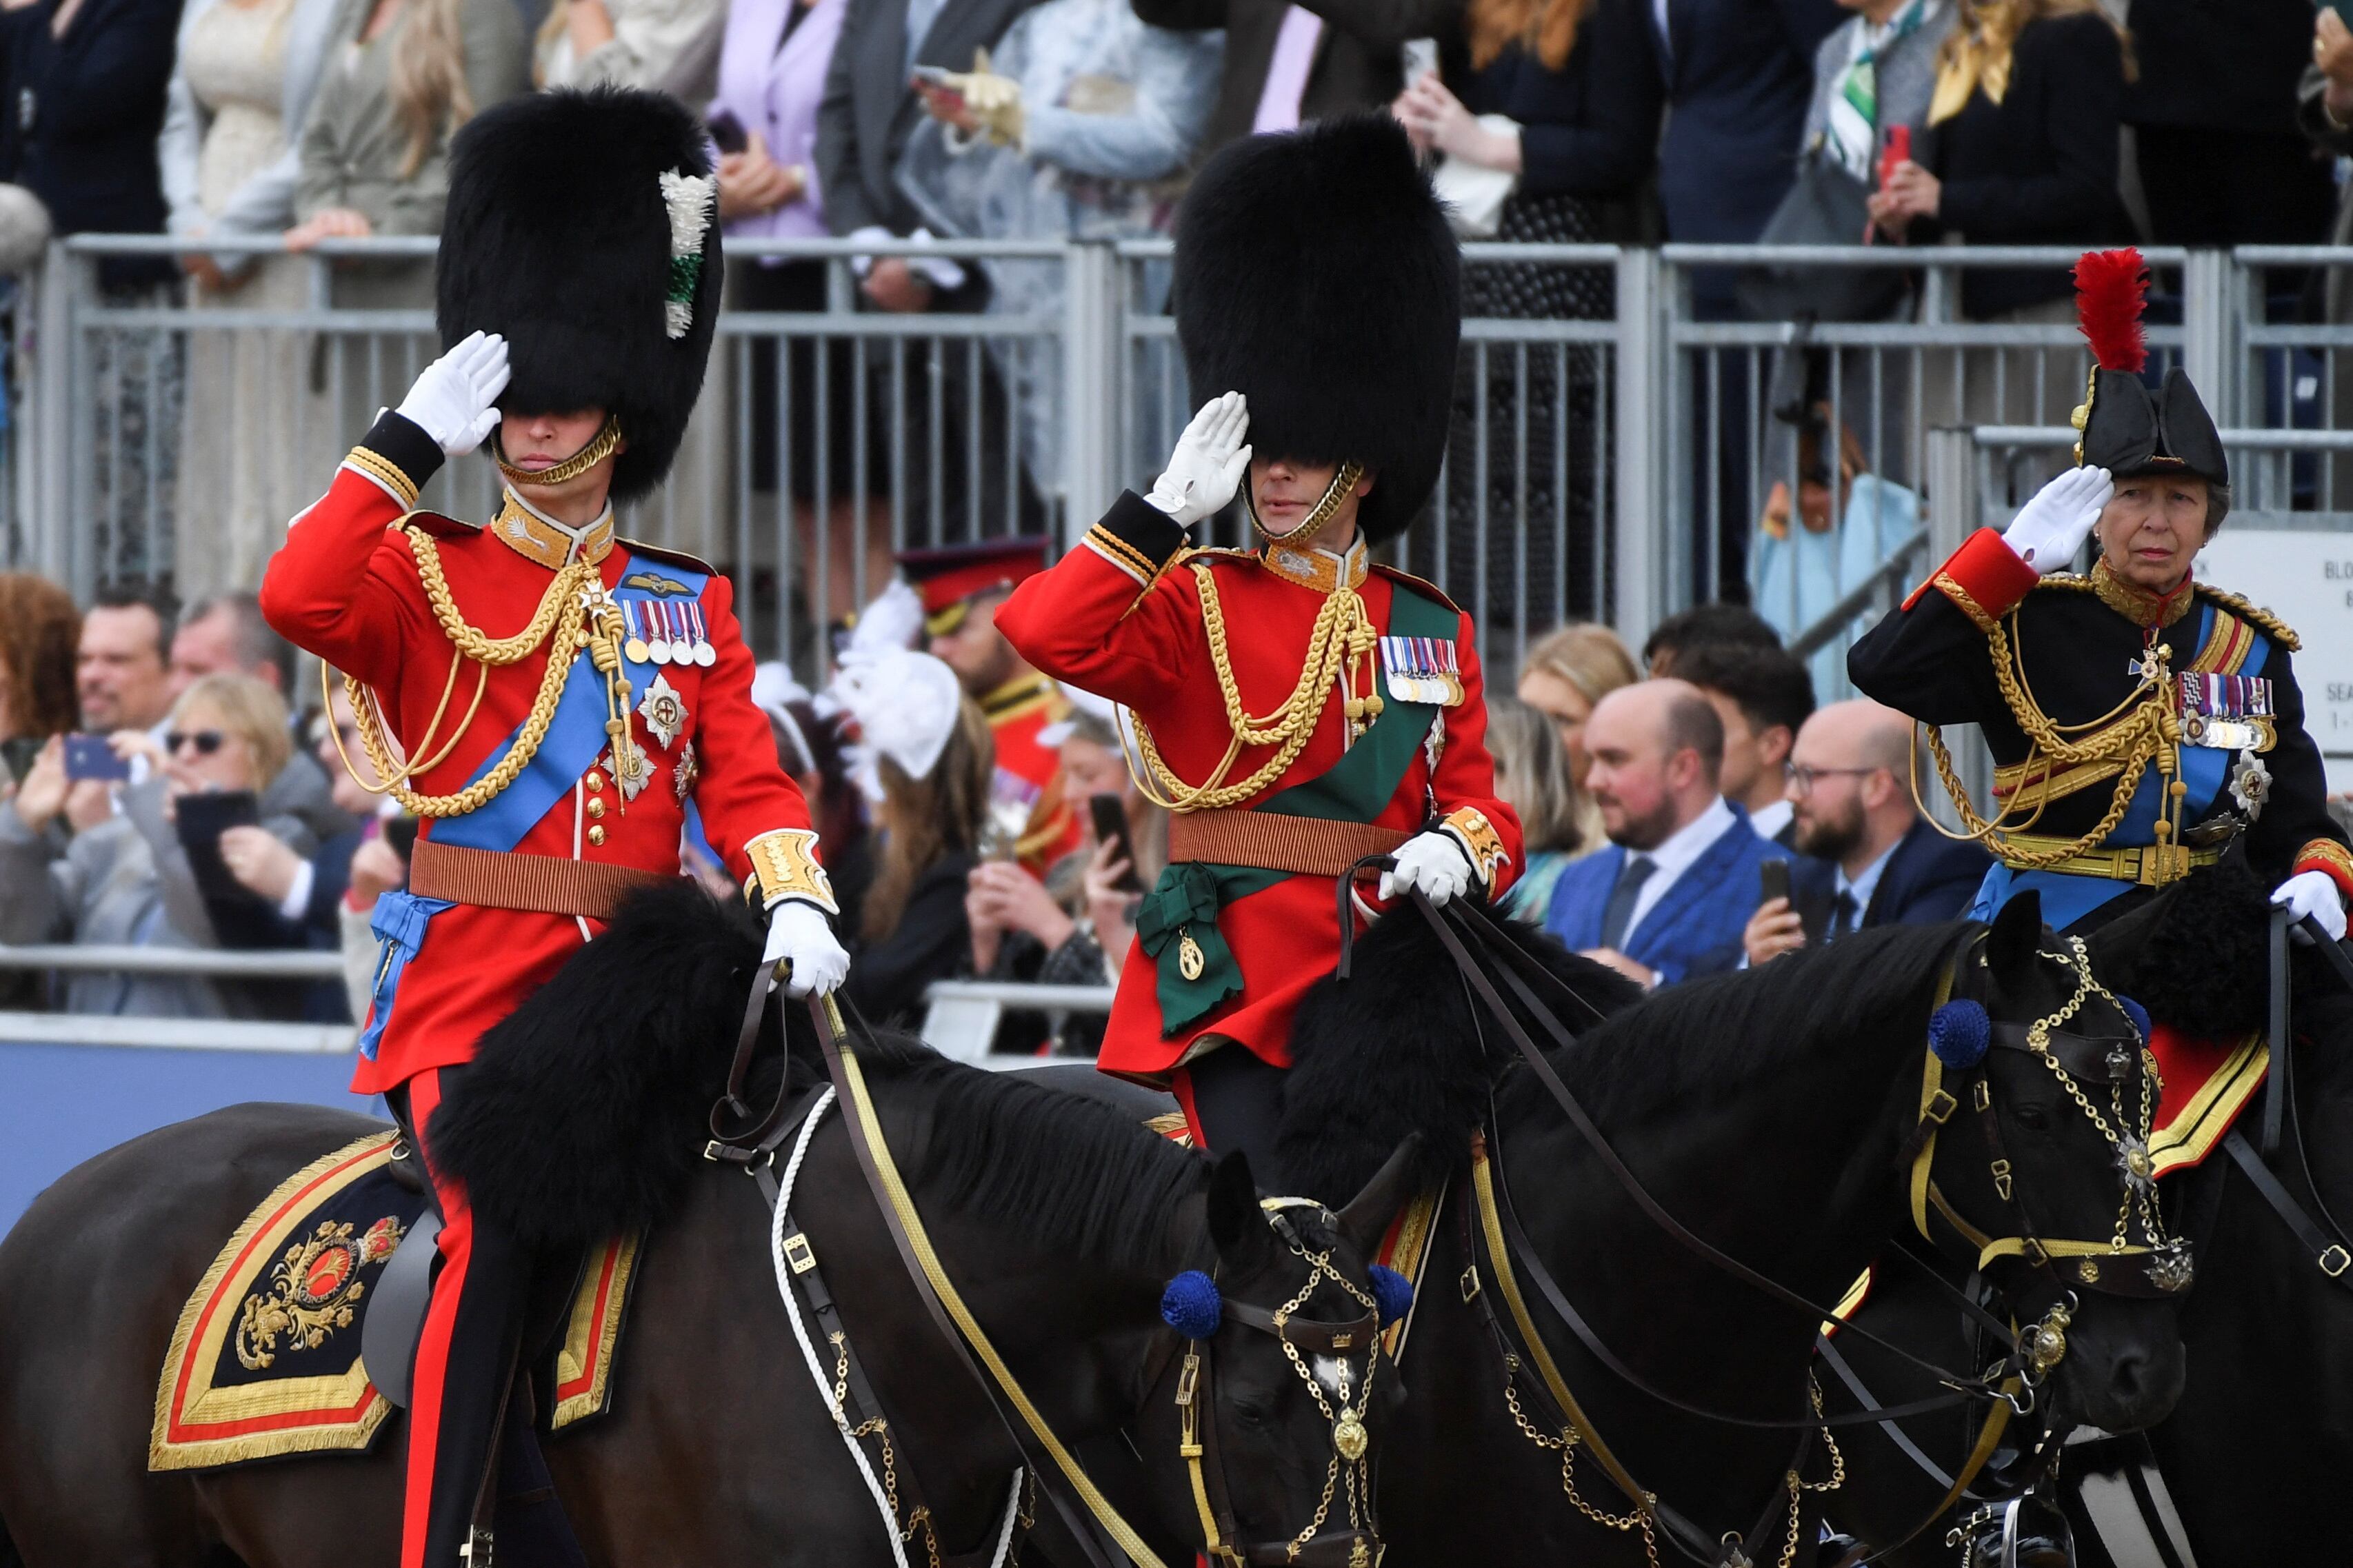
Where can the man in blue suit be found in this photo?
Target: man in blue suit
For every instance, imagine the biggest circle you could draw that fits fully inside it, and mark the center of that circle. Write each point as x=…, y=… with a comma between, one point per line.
x=1671, y=895
x=1867, y=857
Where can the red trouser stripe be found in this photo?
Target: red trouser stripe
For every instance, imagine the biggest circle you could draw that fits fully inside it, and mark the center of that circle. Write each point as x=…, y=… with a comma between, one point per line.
x=430, y=1378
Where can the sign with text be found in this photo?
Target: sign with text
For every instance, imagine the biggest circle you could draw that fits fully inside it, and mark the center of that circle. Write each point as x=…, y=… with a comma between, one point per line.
x=2305, y=577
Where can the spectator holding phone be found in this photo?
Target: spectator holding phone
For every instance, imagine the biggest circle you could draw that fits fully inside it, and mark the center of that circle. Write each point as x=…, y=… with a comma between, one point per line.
x=159, y=872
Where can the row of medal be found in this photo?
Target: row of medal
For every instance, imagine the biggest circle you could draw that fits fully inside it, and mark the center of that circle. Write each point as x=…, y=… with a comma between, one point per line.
x=664, y=633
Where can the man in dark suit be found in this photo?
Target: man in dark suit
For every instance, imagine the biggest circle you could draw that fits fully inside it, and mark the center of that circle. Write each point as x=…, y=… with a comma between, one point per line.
x=1868, y=858
x=1667, y=899
x=1287, y=65
x=1764, y=696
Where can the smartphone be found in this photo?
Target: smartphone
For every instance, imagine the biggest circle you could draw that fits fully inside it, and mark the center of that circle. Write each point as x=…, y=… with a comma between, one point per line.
x=932, y=76
x=200, y=820
x=1772, y=881
x=1110, y=813
x=89, y=757
x=727, y=133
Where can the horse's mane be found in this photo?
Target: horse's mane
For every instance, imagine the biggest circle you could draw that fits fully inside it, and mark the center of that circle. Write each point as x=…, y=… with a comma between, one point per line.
x=1703, y=1042
x=1059, y=1170
x=583, y=1111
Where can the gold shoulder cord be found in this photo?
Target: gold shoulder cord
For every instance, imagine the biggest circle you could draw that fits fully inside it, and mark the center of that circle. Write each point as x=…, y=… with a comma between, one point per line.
x=2147, y=731
x=565, y=617
x=1340, y=642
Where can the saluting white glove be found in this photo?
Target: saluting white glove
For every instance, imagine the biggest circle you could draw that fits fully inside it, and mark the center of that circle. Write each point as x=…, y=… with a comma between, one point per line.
x=456, y=400
x=2049, y=529
x=799, y=936
x=2314, y=893
x=1431, y=861
x=1207, y=468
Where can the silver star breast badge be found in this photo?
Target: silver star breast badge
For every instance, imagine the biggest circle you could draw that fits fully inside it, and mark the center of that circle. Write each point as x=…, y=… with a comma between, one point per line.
x=664, y=711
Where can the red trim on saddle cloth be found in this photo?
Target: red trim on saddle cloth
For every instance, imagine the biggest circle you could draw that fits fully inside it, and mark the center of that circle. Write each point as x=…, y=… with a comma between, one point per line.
x=2207, y=1084
x=202, y=1423
x=584, y=1362
x=1984, y=577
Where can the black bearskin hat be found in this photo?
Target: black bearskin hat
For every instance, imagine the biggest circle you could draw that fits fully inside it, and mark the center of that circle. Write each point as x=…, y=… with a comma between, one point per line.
x=559, y=235
x=2127, y=429
x=1317, y=276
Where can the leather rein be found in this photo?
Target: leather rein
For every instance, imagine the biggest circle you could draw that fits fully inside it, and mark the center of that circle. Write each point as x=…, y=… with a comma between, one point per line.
x=753, y=1146
x=2007, y=1386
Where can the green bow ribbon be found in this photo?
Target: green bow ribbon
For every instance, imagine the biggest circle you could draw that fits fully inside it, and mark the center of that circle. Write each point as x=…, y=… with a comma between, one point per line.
x=1178, y=926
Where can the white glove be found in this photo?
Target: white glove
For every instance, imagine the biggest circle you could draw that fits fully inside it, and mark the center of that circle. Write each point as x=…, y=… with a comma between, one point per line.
x=456, y=400
x=1207, y=468
x=2314, y=893
x=1431, y=861
x=799, y=936
x=2049, y=529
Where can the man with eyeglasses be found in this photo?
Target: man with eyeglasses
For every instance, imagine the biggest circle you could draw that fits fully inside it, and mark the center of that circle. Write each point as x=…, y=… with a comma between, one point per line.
x=1868, y=858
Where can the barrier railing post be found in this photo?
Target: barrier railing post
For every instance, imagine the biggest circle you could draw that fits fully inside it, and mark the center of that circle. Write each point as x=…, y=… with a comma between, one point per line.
x=54, y=419
x=2208, y=310
x=1091, y=339
x=1641, y=521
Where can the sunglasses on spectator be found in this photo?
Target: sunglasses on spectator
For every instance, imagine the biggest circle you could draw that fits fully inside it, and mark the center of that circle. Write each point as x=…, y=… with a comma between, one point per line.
x=1803, y=779
x=205, y=741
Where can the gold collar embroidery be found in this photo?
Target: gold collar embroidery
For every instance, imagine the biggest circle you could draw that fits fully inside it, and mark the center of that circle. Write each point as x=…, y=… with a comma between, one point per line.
x=2142, y=608
x=538, y=537
x=1317, y=569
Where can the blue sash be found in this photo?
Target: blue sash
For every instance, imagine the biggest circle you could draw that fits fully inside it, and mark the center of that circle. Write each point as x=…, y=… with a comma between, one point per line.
x=575, y=739
x=2068, y=897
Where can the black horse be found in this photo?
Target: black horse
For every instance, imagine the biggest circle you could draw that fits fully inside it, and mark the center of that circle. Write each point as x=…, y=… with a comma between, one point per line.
x=1061, y=1220
x=1767, y=1111
x=2262, y=1433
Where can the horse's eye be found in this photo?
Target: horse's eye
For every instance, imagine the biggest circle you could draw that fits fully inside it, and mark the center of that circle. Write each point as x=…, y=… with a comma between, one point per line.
x=2033, y=1117
x=1250, y=1413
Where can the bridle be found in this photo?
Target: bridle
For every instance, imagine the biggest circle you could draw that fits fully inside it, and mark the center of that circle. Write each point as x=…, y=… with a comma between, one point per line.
x=1349, y=1475
x=2008, y=1387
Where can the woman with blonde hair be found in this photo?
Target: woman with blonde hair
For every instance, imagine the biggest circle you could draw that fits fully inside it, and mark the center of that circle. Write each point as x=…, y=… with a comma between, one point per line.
x=925, y=759
x=1532, y=774
x=1562, y=677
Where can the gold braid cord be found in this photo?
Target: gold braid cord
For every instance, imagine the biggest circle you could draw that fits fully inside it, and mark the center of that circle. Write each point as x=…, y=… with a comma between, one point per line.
x=563, y=620
x=2147, y=730
x=1341, y=641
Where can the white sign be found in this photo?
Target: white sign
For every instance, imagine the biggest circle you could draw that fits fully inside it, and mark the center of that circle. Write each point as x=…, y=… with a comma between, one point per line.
x=2304, y=577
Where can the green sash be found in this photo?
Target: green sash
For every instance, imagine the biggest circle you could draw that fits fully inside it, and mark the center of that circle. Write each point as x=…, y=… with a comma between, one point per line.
x=1357, y=788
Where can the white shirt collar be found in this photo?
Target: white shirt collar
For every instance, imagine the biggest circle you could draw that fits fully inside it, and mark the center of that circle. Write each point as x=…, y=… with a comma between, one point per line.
x=1769, y=820
x=1866, y=885
x=1675, y=855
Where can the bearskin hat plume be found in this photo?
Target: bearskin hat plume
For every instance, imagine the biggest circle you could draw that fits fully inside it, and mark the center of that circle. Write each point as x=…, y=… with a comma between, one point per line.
x=1316, y=274
x=563, y=235
x=2127, y=429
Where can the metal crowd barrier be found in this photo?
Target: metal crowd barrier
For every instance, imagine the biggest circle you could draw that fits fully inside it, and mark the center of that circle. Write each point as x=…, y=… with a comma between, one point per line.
x=1623, y=445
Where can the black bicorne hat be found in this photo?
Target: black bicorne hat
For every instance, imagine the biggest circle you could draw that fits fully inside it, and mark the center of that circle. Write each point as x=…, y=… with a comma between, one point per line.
x=582, y=225
x=1316, y=274
x=2126, y=428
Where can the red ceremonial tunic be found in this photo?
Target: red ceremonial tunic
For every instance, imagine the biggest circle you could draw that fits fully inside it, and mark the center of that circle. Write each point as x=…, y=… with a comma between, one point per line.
x=1029, y=773
x=1121, y=616
x=348, y=591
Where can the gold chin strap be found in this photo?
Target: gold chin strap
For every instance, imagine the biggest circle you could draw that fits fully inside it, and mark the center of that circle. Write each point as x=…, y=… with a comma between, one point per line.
x=573, y=467
x=1343, y=481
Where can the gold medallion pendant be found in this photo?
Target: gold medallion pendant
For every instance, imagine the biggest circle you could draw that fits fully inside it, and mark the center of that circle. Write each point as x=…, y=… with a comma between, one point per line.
x=1190, y=960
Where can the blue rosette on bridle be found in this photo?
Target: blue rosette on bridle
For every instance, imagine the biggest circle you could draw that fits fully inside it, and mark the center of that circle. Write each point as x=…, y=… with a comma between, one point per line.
x=1959, y=1032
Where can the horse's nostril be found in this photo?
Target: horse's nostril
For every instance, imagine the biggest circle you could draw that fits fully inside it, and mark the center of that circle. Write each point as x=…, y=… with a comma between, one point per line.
x=2129, y=1378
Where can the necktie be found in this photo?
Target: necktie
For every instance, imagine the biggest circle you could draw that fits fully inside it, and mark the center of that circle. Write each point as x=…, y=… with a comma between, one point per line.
x=1618, y=913
x=1843, y=912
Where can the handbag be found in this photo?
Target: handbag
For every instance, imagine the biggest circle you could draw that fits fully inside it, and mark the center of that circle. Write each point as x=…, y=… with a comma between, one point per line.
x=1474, y=194
x=1826, y=206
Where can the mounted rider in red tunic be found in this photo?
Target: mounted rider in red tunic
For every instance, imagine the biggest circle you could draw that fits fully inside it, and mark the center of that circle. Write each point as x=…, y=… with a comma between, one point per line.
x=1295, y=706
x=556, y=703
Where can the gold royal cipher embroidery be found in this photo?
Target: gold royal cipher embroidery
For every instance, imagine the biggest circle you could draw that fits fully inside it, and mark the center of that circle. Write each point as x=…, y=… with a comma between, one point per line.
x=311, y=1290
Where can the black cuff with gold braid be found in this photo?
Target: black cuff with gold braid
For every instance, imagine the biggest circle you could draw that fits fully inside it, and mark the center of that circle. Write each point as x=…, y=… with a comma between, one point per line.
x=1136, y=537
x=397, y=455
x=784, y=866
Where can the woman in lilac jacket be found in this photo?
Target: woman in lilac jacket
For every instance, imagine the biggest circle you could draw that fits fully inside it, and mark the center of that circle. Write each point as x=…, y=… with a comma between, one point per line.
x=771, y=66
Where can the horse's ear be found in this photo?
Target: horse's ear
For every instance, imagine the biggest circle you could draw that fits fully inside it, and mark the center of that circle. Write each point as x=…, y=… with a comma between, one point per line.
x=1238, y=1226
x=1366, y=1218
x=2016, y=936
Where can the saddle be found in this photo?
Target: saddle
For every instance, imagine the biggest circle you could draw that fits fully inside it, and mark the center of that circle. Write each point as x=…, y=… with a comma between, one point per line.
x=300, y=1337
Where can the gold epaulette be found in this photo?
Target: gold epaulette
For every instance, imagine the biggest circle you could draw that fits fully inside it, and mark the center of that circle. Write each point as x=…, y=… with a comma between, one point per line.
x=2279, y=631
x=639, y=547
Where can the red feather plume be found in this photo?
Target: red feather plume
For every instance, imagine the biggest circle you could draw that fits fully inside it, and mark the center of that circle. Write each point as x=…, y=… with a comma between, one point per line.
x=2111, y=292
